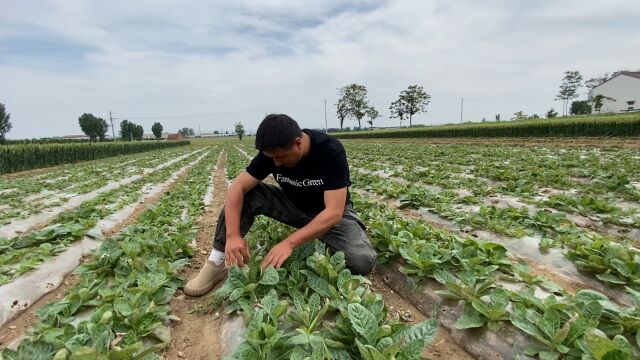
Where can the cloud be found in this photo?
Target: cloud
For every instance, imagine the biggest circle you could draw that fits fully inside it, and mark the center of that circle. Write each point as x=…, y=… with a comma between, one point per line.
x=215, y=63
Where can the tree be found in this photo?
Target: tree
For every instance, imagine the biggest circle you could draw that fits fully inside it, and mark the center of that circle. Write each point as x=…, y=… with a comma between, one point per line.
x=137, y=132
x=95, y=128
x=356, y=105
x=341, y=107
x=156, y=128
x=186, y=132
x=598, y=101
x=519, y=115
x=5, y=124
x=126, y=130
x=414, y=100
x=580, y=108
x=497, y=117
x=569, y=88
x=240, y=130
x=397, y=111
x=551, y=113
x=373, y=114
x=593, y=82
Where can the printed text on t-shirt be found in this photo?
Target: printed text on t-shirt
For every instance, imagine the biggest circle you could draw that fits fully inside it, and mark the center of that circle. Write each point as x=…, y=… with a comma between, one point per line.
x=305, y=182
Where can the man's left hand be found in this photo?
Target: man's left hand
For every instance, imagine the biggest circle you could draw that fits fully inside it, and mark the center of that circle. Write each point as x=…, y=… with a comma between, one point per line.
x=278, y=254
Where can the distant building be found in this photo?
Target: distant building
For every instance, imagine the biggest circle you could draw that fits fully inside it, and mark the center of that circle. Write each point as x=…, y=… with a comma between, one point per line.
x=75, y=137
x=177, y=136
x=621, y=93
x=208, y=135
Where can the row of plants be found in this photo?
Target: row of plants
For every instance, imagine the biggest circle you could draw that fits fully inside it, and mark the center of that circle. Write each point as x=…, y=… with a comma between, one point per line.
x=312, y=307
x=618, y=125
x=119, y=308
x=236, y=161
x=56, y=188
x=596, y=200
x=587, y=325
x=597, y=171
x=15, y=158
x=613, y=261
x=24, y=253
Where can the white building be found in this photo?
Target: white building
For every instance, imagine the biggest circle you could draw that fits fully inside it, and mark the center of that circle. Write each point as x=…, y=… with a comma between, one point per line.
x=621, y=92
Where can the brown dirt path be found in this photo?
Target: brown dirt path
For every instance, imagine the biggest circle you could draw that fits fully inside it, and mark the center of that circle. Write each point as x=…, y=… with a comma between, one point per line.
x=195, y=337
x=18, y=327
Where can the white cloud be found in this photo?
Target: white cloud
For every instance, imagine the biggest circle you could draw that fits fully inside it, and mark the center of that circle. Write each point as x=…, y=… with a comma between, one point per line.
x=237, y=61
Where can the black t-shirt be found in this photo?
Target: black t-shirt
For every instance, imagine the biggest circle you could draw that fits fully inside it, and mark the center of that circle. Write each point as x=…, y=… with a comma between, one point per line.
x=323, y=168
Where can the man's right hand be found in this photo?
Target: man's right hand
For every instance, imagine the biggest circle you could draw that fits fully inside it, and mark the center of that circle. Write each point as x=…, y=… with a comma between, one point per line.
x=236, y=251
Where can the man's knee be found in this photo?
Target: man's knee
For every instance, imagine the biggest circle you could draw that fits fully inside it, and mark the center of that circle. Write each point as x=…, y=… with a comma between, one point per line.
x=362, y=264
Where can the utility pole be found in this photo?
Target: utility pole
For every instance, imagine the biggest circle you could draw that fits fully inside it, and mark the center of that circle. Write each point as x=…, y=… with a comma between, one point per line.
x=326, y=128
x=199, y=130
x=461, y=107
x=113, y=132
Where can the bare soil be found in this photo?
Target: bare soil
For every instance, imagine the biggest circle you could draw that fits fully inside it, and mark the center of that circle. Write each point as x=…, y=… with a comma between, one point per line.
x=196, y=335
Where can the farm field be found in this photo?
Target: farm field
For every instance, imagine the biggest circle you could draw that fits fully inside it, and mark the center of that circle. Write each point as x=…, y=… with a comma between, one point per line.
x=485, y=251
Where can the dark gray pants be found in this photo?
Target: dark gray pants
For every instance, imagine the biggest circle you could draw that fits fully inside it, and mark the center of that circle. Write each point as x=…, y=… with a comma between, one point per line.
x=347, y=236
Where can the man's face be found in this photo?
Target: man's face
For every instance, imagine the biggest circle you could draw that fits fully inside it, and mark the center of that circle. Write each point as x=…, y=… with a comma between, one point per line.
x=286, y=157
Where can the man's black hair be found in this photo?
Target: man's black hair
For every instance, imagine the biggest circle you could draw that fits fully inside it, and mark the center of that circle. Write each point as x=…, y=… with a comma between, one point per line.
x=277, y=131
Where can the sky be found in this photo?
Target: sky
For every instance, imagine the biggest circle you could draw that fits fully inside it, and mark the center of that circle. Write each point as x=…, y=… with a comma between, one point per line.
x=210, y=64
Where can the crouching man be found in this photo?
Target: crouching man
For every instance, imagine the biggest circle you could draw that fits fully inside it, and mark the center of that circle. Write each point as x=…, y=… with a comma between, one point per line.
x=312, y=171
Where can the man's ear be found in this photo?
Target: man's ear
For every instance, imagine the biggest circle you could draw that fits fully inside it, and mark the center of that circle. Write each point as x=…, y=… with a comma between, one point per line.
x=298, y=143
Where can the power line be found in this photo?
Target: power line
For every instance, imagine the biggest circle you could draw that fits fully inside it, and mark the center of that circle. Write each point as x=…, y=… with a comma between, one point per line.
x=217, y=114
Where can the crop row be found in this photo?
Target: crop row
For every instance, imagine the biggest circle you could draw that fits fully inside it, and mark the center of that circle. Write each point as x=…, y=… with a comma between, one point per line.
x=25, y=252
x=586, y=325
x=613, y=262
x=590, y=171
x=236, y=161
x=618, y=125
x=313, y=307
x=120, y=307
x=25, y=157
x=26, y=196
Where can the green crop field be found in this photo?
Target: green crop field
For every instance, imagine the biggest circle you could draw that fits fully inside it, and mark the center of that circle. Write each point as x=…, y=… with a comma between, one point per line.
x=588, y=126
x=506, y=250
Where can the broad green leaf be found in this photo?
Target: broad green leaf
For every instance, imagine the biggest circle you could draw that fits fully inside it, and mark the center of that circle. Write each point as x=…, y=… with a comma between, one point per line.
x=269, y=276
x=592, y=311
x=363, y=322
x=319, y=285
x=606, y=277
x=550, y=322
x=123, y=307
x=427, y=331
x=470, y=318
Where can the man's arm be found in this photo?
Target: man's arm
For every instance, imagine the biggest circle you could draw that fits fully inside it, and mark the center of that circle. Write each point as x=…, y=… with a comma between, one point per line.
x=334, y=201
x=236, y=249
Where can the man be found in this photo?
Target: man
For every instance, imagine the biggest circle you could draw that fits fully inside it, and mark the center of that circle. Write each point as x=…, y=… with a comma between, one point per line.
x=312, y=171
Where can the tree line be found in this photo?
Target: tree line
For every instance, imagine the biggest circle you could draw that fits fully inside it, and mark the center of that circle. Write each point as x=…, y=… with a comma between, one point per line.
x=353, y=104
x=96, y=128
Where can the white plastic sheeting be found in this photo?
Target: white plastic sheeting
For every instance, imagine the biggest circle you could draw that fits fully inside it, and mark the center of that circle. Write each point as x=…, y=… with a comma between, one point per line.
x=21, y=226
x=20, y=294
